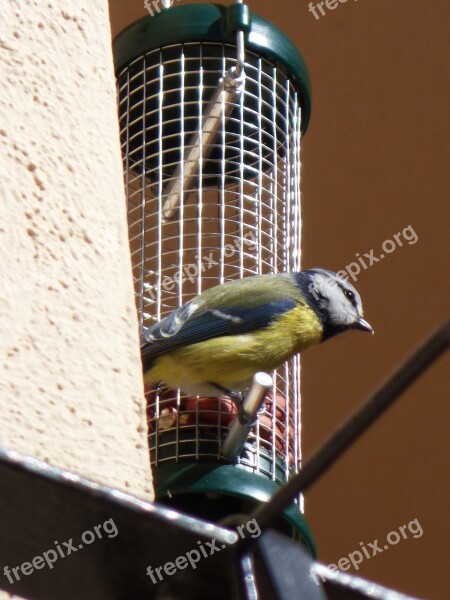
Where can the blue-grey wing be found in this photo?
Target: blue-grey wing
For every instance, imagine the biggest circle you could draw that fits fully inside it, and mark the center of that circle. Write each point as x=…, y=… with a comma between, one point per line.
x=170, y=325
x=191, y=324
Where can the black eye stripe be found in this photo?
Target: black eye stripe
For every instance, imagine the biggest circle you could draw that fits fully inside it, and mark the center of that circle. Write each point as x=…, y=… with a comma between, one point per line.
x=349, y=294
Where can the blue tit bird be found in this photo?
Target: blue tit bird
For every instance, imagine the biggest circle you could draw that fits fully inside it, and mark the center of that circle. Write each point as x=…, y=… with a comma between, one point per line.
x=217, y=341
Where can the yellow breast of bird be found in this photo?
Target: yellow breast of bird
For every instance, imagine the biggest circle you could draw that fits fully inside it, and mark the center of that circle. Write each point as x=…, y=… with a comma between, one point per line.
x=232, y=359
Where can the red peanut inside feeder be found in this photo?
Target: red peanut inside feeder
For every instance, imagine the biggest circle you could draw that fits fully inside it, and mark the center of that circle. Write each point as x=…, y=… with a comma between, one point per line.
x=213, y=416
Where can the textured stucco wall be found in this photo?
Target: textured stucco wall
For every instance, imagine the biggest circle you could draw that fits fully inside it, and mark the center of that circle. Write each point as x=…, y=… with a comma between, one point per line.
x=70, y=380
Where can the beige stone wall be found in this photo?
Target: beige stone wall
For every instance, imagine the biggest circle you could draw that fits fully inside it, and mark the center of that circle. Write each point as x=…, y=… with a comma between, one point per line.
x=70, y=376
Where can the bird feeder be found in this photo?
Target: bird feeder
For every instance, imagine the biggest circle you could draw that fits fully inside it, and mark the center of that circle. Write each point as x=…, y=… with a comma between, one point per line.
x=213, y=102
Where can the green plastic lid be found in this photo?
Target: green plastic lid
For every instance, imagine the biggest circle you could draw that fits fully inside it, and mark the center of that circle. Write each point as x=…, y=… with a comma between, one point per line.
x=215, y=23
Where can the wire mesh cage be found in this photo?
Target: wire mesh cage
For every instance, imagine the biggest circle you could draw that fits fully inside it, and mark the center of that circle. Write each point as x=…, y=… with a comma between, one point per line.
x=212, y=177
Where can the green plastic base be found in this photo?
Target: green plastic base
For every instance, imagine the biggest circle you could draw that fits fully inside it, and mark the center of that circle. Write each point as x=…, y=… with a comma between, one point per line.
x=214, y=491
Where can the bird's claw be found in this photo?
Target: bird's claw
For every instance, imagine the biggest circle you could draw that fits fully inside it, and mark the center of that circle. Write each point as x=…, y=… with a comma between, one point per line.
x=237, y=397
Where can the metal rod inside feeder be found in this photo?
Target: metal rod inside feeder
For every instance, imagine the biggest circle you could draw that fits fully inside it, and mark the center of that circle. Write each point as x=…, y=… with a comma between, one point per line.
x=246, y=419
x=201, y=143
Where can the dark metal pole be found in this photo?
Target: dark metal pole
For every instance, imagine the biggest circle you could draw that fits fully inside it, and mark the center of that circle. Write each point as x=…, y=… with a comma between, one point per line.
x=266, y=513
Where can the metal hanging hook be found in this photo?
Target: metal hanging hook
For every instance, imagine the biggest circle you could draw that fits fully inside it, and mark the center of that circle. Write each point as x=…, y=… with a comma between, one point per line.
x=238, y=70
x=240, y=62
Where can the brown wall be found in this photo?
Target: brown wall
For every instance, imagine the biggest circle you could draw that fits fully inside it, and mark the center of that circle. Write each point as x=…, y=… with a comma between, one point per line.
x=375, y=160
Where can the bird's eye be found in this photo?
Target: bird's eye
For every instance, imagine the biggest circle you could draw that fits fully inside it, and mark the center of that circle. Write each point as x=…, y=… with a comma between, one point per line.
x=349, y=294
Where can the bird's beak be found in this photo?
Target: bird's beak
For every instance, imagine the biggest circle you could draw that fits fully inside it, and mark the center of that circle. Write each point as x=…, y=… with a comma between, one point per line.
x=363, y=325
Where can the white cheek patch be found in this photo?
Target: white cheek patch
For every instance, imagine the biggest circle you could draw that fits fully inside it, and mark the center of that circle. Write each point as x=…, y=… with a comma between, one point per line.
x=339, y=308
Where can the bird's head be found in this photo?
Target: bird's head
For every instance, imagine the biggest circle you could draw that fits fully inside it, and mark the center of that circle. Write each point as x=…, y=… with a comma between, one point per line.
x=335, y=300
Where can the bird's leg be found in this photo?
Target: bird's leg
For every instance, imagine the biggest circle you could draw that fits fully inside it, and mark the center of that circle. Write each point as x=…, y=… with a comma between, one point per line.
x=159, y=387
x=237, y=397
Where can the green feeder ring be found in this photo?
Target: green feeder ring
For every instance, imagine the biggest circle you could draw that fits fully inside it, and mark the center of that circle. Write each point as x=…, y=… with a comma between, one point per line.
x=214, y=491
x=215, y=23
